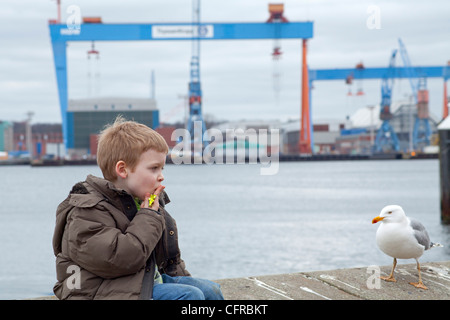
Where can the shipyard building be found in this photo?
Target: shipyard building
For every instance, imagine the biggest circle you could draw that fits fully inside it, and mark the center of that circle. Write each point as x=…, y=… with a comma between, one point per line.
x=91, y=115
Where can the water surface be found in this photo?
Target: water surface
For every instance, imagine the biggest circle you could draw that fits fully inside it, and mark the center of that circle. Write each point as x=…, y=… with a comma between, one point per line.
x=232, y=221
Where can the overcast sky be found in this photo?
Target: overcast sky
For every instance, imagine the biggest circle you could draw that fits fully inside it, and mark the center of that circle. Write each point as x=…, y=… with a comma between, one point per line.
x=237, y=76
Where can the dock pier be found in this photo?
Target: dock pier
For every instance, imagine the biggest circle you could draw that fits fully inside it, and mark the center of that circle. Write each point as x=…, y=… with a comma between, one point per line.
x=341, y=284
x=344, y=284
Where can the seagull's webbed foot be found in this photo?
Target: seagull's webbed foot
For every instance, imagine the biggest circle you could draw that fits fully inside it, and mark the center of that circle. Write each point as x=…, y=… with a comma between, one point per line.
x=419, y=285
x=390, y=278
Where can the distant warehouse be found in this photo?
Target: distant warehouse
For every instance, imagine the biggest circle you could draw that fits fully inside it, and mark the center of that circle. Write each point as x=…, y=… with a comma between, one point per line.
x=91, y=115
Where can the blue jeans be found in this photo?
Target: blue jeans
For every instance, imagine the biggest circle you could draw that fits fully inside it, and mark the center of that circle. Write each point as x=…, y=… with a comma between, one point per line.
x=186, y=288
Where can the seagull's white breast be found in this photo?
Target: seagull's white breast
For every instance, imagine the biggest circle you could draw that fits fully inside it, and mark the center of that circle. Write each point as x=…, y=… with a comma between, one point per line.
x=397, y=240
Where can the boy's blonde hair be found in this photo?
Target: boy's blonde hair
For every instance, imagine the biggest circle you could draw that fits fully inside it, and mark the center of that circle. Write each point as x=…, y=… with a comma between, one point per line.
x=126, y=140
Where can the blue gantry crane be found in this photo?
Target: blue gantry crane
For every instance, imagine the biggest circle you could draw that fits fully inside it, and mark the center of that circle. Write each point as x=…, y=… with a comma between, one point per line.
x=402, y=72
x=61, y=34
x=422, y=130
x=386, y=137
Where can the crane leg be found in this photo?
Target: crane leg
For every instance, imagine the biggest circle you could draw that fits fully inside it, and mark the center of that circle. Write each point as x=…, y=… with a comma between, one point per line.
x=391, y=276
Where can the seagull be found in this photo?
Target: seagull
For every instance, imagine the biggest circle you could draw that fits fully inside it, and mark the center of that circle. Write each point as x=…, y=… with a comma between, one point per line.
x=402, y=238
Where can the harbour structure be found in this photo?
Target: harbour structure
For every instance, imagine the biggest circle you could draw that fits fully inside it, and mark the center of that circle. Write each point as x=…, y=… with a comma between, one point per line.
x=23, y=140
x=94, y=29
x=90, y=115
x=325, y=132
x=386, y=136
x=195, y=89
x=422, y=130
x=6, y=133
x=363, y=128
x=357, y=133
x=444, y=168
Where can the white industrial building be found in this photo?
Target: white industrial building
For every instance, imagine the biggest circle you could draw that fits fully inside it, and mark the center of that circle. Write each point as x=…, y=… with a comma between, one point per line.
x=404, y=115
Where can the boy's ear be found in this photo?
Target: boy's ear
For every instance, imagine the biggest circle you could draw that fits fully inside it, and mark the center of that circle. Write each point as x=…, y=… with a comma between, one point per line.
x=121, y=169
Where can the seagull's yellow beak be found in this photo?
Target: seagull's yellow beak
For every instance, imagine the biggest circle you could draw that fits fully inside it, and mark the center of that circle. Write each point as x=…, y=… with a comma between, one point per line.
x=376, y=219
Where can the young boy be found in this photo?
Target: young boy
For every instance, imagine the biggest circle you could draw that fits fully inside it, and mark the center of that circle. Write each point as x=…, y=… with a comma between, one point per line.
x=111, y=241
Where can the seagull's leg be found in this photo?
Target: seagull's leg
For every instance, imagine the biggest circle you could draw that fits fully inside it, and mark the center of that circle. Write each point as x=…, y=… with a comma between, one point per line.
x=391, y=276
x=419, y=284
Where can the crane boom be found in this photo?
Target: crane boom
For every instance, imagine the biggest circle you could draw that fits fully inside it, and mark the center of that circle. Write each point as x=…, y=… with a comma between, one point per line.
x=412, y=76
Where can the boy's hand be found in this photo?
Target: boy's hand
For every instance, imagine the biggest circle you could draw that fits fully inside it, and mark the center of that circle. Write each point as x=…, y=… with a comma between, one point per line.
x=155, y=204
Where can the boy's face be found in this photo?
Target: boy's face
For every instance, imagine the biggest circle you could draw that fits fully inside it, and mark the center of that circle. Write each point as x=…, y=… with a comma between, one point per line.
x=147, y=175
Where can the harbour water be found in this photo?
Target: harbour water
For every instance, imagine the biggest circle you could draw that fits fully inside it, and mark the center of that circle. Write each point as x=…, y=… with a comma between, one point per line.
x=233, y=221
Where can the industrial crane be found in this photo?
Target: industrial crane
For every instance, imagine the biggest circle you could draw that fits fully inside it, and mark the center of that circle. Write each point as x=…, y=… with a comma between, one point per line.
x=446, y=77
x=422, y=130
x=386, y=135
x=195, y=91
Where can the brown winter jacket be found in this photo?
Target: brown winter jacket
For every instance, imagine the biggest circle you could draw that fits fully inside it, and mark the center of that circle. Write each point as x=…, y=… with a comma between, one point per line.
x=104, y=246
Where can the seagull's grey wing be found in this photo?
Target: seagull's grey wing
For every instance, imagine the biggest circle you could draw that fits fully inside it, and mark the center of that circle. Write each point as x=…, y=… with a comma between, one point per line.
x=420, y=233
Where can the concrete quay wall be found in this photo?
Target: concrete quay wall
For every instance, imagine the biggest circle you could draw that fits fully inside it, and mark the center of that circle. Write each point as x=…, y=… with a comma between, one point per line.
x=341, y=284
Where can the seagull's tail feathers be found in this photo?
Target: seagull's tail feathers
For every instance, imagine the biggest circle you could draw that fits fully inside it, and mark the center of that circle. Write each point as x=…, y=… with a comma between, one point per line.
x=435, y=244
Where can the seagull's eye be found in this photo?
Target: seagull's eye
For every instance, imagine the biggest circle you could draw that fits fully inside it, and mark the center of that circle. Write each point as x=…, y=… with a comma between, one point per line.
x=389, y=212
